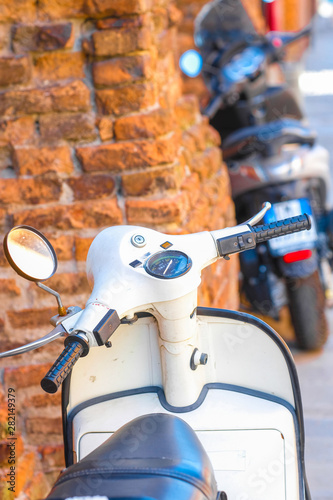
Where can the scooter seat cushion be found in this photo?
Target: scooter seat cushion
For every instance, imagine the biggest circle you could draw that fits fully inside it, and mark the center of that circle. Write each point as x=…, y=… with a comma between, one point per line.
x=155, y=457
x=267, y=138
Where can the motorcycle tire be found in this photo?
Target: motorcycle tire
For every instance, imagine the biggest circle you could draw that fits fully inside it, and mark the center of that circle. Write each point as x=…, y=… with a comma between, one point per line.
x=307, y=311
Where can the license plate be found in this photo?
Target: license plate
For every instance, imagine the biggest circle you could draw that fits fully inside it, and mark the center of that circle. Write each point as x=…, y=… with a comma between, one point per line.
x=296, y=241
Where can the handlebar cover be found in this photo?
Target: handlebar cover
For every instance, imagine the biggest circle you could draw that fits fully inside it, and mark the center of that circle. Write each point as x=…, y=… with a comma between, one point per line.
x=62, y=367
x=266, y=232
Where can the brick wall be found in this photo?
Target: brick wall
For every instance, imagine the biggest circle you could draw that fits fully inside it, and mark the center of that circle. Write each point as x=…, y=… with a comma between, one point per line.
x=94, y=131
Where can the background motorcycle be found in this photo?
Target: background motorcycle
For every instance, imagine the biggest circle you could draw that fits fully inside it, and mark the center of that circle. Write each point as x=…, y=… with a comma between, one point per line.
x=230, y=376
x=271, y=155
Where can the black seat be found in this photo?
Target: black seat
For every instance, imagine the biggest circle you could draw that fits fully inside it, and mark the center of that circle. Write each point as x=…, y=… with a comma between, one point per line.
x=154, y=457
x=267, y=138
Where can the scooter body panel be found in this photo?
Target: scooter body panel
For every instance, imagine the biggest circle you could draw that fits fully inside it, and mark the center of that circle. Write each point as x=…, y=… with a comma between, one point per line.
x=295, y=163
x=238, y=354
x=250, y=441
x=248, y=415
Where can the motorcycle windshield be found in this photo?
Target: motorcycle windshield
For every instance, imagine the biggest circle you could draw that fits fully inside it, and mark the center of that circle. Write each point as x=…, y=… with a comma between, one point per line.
x=221, y=23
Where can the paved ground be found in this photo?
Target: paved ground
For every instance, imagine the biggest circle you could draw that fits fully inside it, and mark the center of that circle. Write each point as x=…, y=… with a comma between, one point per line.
x=316, y=370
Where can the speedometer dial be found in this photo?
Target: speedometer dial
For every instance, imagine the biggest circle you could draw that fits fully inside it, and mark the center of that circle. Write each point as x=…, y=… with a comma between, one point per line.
x=168, y=265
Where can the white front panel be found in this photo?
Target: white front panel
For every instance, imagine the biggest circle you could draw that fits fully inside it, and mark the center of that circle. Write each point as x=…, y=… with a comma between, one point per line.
x=250, y=441
x=238, y=353
x=254, y=459
x=249, y=462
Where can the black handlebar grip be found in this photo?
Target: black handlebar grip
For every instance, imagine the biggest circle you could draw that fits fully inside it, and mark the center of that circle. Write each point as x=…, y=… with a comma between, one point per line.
x=61, y=368
x=266, y=232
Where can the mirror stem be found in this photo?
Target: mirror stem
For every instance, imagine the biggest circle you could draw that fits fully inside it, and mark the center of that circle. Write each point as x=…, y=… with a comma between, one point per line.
x=61, y=309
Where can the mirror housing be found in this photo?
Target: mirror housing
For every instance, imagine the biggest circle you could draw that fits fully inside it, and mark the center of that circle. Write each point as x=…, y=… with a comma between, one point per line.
x=30, y=254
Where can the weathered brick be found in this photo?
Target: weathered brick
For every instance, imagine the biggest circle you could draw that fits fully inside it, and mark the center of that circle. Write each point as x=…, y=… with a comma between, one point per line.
x=117, y=23
x=121, y=41
x=42, y=399
x=63, y=245
x=25, y=376
x=38, y=487
x=52, y=455
x=87, y=187
x=5, y=36
x=14, y=70
x=192, y=186
x=45, y=425
x=116, y=8
x=36, y=161
x=53, y=66
x=18, y=131
x=68, y=284
x=156, y=211
x=71, y=127
x=9, y=287
x=128, y=155
x=42, y=37
x=3, y=222
x=3, y=260
x=31, y=318
x=5, y=156
x=120, y=70
x=82, y=246
x=59, y=9
x=160, y=19
x=165, y=41
x=73, y=96
x=20, y=10
x=29, y=191
x=152, y=181
x=187, y=111
x=207, y=163
x=105, y=128
x=125, y=99
x=19, y=448
x=152, y=124
x=79, y=215
x=199, y=137
x=24, y=471
x=175, y=15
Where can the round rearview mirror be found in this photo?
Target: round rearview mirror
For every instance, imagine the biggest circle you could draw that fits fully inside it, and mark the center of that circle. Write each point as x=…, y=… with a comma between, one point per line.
x=30, y=254
x=191, y=63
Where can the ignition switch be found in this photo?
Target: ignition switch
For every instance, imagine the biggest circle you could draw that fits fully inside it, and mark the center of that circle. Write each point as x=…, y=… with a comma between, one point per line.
x=138, y=240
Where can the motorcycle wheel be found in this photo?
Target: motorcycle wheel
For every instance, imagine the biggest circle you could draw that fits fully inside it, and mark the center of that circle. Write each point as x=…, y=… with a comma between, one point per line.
x=307, y=310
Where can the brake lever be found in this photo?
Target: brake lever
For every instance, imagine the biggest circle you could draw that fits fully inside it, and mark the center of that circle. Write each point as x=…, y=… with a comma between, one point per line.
x=57, y=332
x=259, y=216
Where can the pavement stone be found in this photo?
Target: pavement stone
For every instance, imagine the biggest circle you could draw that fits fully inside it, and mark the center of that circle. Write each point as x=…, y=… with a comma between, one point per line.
x=315, y=370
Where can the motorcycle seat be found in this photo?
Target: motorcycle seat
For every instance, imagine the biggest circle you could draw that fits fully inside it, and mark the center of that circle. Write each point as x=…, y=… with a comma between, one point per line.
x=266, y=139
x=154, y=457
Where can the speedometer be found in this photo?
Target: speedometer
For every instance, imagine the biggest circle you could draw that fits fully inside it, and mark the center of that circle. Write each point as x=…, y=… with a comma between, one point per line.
x=168, y=265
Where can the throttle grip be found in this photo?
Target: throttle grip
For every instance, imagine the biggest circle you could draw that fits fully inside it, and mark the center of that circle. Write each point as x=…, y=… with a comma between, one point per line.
x=266, y=232
x=61, y=368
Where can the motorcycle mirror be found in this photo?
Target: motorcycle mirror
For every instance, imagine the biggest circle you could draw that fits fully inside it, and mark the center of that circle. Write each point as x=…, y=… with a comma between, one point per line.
x=191, y=63
x=30, y=254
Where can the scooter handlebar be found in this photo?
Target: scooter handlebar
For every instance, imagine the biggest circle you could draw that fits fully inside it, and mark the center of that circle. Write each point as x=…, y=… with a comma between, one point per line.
x=245, y=237
x=266, y=232
x=62, y=367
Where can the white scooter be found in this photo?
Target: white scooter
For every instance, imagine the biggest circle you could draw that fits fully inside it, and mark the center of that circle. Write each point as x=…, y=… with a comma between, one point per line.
x=180, y=382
